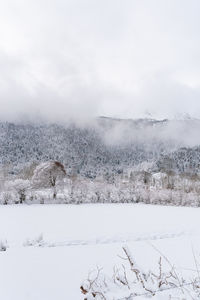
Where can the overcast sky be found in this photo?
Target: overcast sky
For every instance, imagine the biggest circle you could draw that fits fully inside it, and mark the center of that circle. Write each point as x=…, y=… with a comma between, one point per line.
x=83, y=58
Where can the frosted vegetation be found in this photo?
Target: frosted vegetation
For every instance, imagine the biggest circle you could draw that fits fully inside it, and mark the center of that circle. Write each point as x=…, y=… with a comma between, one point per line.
x=109, y=160
x=130, y=281
x=136, y=187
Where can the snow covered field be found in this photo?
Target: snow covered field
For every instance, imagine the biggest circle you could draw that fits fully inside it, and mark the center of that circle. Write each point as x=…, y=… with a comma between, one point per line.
x=53, y=247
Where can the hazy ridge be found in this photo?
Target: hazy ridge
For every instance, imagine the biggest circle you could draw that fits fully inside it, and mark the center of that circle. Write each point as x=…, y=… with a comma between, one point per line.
x=107, y=145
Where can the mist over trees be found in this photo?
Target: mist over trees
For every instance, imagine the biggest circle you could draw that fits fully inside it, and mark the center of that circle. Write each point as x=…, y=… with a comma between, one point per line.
x=104, y=147
x=110, y=160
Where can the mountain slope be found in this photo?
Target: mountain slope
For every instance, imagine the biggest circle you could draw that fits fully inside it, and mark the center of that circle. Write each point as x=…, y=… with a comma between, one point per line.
x=106, y=146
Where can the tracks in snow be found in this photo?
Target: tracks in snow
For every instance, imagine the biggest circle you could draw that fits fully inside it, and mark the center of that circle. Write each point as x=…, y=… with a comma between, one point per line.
x=40, y=242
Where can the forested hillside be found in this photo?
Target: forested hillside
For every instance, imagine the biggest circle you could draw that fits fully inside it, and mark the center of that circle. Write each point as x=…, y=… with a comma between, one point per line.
x=106, y=146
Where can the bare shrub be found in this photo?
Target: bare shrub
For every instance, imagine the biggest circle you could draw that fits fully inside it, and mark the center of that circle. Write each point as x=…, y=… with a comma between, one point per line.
x=3, y=245
x=38, y=241
x=129, y=281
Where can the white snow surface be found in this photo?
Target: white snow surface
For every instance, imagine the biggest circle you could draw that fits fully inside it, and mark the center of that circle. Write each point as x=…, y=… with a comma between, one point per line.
x=69, y=241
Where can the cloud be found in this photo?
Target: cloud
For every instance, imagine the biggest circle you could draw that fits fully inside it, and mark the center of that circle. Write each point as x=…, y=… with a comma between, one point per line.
x=78, y=59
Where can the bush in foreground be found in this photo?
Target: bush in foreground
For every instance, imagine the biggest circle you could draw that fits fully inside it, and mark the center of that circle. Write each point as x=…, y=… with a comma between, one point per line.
x=130, y=282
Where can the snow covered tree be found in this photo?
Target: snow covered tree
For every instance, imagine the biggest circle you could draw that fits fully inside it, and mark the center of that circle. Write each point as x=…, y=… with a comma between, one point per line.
x=48, y=175
x=20, y=186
